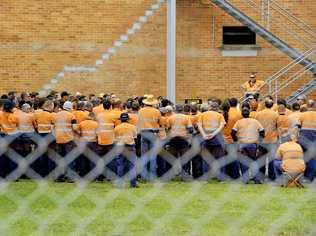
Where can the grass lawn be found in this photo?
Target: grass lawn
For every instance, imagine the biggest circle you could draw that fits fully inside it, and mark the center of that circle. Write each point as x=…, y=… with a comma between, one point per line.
x=174, y=208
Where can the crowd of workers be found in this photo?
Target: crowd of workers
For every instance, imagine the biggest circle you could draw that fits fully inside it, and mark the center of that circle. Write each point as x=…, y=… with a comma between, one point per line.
x=99, y=137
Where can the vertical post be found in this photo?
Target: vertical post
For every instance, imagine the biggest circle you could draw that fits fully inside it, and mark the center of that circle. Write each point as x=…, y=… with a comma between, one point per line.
x=171, y=51
x=268, y=14
x=262, y=12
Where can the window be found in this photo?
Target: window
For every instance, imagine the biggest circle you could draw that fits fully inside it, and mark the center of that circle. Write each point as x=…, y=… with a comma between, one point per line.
x=238, y=35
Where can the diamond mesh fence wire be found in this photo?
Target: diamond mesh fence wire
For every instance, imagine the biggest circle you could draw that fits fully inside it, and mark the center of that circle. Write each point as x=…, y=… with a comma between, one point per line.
x=193, y=160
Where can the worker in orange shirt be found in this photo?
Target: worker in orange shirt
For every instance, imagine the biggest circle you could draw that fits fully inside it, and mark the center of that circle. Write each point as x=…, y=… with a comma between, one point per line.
x=283, y=124
x=106, y=123
x=116, y=110
x=125, y=135
x=80, y=114
x=268, y=119
x=64, y=124
x=211, y=124
x=26, y=129
x=180, y=128
x=9, y=126
x=248, y=132
x=294, y=116
x=231, y=115
x=307, y=139
x=252, y=86
x=44, y=119
x=87, y=130
x=289, y=158
x=149, y=119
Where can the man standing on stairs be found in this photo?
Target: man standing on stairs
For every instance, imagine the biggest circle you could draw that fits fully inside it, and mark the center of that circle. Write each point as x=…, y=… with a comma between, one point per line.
x=252, y=86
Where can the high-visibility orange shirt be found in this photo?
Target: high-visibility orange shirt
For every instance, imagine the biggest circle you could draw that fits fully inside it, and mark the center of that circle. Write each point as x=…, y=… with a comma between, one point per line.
x=106, y=123
x=88, y=130
x=80, y=116
x=233, y=116
x=253, y=88
x=26, y=122
x=125, y=133
x=211, y=120
x=253, y=114
x=133, y=118
x=149, y=118
x=291, y=154
x=294, y=119
x=163, y=126
x=283, y=125
x=98, y=109
x=63, y=126
x=268, y=119
x=9, y=123
x=179, y=124
x=116, y=113
x=194, y=120
x=248, y=130
x=44, y=121
x=308, y=120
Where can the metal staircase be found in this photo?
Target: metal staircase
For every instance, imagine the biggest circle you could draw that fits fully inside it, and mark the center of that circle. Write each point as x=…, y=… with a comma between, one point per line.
x=263, y=32
x=305, y=89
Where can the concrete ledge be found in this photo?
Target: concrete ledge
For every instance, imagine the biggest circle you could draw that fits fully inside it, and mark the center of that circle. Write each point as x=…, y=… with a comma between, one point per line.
x=240, y=50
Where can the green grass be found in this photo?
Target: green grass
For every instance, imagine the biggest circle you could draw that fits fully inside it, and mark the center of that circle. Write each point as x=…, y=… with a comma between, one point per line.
x=174, y=208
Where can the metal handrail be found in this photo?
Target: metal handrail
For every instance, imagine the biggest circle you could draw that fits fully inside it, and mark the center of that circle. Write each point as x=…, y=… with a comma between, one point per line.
x=289, y=66
x=307, y=43
x=311, y=31
x=293, y=78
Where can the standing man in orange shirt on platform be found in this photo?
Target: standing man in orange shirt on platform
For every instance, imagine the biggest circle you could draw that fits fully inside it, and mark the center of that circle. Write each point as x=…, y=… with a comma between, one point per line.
x=149, y=119
x=268, y=119
x=64, y=124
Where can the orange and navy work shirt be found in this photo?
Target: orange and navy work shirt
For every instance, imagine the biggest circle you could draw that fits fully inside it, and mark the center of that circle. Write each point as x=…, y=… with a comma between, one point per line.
x=106, y=123
x=44, y=121
x=88, y=131
x=178, y=125
x=149, y=118
x=248, y=130
x=125, y=133
x=307, y=120
x=291, y=154
x=233, y=116
x=253, y=87
x=26, y=122
x=268, y=119
x=63, y=127
x=211, y=120
x=9, y=123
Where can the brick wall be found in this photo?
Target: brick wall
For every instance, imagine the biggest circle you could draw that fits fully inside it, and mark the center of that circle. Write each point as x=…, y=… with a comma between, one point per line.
x=38, y=38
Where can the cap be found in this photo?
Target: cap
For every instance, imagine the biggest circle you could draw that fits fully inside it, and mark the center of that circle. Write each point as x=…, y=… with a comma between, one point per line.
x=67, y=106
x=124, y=117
